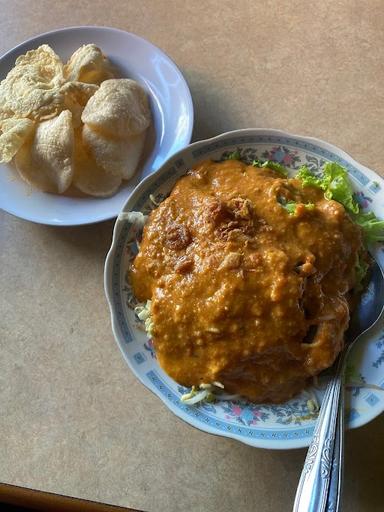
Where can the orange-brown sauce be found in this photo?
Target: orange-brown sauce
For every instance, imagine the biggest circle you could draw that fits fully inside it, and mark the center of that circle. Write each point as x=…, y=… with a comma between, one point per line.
x=238, y=285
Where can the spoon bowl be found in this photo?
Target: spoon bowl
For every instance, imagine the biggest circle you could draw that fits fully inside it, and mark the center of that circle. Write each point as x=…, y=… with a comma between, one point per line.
x=370, y=306
x=320, y=484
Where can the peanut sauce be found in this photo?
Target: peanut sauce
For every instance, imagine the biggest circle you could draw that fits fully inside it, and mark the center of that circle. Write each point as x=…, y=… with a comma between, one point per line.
x=244, y=292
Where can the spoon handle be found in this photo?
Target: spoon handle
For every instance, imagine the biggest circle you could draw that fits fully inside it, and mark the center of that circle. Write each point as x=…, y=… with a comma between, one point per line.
x=312, y=492
x=336, y=481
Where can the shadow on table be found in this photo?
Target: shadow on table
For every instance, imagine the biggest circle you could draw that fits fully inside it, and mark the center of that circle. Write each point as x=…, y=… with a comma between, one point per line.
x=364, y=467
x=92, y=238
x=363, y=470
x=217, y=109
x=266, y=480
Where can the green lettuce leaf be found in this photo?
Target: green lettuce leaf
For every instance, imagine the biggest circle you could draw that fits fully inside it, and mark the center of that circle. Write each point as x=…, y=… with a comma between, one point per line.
x=235, y=155
x=335, y=183
x=339, y=187
x=290, y=206
x=361, y=270
x=373, y=228
x=275, y=166
x=307, y=178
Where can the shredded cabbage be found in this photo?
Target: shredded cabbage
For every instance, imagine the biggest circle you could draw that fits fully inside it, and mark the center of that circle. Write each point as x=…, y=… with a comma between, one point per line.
x=153, y=200
x=136, y=218
x=312, y=403
x=206, y=392
x=365, y=385
x=143, y=312
x=196, y=395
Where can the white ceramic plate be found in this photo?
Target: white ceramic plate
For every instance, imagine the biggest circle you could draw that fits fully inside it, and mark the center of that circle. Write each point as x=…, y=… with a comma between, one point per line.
x=172, y=110
x=289, y=425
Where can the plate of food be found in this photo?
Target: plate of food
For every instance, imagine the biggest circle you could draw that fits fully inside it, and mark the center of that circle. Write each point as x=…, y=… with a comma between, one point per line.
x=85, y=114
x=231, y=279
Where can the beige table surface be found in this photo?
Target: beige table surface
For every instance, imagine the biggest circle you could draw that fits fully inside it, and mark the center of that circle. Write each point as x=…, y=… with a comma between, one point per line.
x=73, y=419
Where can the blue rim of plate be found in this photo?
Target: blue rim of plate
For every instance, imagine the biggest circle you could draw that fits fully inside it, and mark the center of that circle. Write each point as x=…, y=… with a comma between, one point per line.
x=155, y=379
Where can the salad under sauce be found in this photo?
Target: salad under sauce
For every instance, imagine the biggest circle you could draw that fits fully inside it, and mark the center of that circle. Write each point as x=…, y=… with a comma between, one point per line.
x=249, y=274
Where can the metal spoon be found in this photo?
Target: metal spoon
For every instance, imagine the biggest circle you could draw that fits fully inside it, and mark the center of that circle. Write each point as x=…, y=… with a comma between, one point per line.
x=319, y=488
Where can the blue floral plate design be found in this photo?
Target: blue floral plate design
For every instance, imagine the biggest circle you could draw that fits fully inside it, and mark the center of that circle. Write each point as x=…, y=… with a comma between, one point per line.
x=284, y=426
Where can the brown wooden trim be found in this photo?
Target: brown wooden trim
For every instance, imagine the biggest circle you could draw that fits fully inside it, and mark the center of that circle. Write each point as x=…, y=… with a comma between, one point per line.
x=49, y=502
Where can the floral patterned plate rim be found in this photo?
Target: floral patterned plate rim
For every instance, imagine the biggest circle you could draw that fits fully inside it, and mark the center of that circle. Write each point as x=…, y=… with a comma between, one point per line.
x=283, y=426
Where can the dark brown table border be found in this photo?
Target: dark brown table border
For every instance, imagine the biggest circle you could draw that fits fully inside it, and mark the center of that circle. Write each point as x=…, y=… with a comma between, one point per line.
x=49, y=502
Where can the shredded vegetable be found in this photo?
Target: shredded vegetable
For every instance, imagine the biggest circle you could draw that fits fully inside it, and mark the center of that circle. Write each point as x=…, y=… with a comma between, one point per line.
x=270, y=164
x=153, y=200
x=334, y=180
x=361, y=270
x=207, y=393
x=373, y=228
x=354, y=384
x=312, y=403
x=291, y=206
x=143, y=312
x=136, y=218
x=235, y=155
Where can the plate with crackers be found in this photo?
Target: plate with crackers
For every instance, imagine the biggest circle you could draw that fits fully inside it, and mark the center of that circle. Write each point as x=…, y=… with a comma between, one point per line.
x=85, y=114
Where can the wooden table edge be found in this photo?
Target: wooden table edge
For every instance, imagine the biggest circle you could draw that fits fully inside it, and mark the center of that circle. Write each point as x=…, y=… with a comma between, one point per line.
x=49, y=502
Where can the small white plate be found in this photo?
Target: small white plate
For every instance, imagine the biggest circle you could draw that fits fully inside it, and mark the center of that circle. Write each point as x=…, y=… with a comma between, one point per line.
x=172, y=110
x=276, y=426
